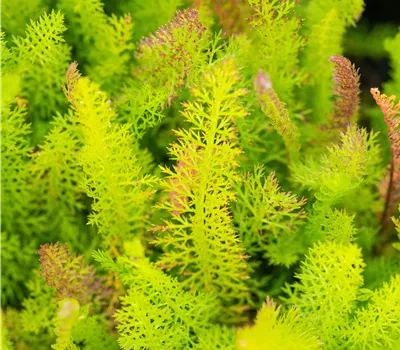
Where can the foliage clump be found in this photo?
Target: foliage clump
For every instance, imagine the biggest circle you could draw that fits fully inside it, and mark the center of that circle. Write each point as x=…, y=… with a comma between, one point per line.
x=210, y=178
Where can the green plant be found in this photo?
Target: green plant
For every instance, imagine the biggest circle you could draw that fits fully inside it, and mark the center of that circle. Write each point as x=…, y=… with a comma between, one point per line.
x=212, y=185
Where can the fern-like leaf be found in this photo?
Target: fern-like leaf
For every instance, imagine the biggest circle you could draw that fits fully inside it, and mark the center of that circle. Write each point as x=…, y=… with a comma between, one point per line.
x=38, y=310
x=276, y=111
x=200, y=243
x=342, y=169
x=17, y=263
x=56, y=176
x=157, y=313
x=346, y=88
x=72, y=278
x=113, y=176
x=16, y=188
x=330, y=279
x=280, y=331
x=376, y=326
x=391, y=113
x=173, y=55
x=42, y=58
x=104, y=43
x=267, y=217
x=277, y=27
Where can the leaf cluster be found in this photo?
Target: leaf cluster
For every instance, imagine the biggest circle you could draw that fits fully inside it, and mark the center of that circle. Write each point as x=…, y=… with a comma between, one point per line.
x=207, y=157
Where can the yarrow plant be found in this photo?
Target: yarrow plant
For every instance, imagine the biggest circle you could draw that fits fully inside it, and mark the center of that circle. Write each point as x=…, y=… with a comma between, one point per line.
x=196, y=174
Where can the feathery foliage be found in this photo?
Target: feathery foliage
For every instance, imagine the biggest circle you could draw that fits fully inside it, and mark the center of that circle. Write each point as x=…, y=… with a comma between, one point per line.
x=341, y=169
x=279, y=331
x=38, y=310
x=334, y=271
x=278, y=48
x=157, y=313
x=42, y=58
x=14, y=255
x=326, y=22
x=16, y=190
x=200, y=241
x=376, y=326
x=391, y=112
x=206, y=161
x=104, y=43
x=346, y=90
x=56, y=174
x=71, y=277
x=324, y=41
x=279, y=116
x=171, y=57
x=113, y=175
x=268, y=219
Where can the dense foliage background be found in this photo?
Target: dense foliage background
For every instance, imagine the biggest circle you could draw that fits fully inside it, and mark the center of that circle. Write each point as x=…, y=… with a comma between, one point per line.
x=206, y=174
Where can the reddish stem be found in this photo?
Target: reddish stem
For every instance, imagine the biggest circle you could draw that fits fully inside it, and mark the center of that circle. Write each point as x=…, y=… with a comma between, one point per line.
x=388, y=196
